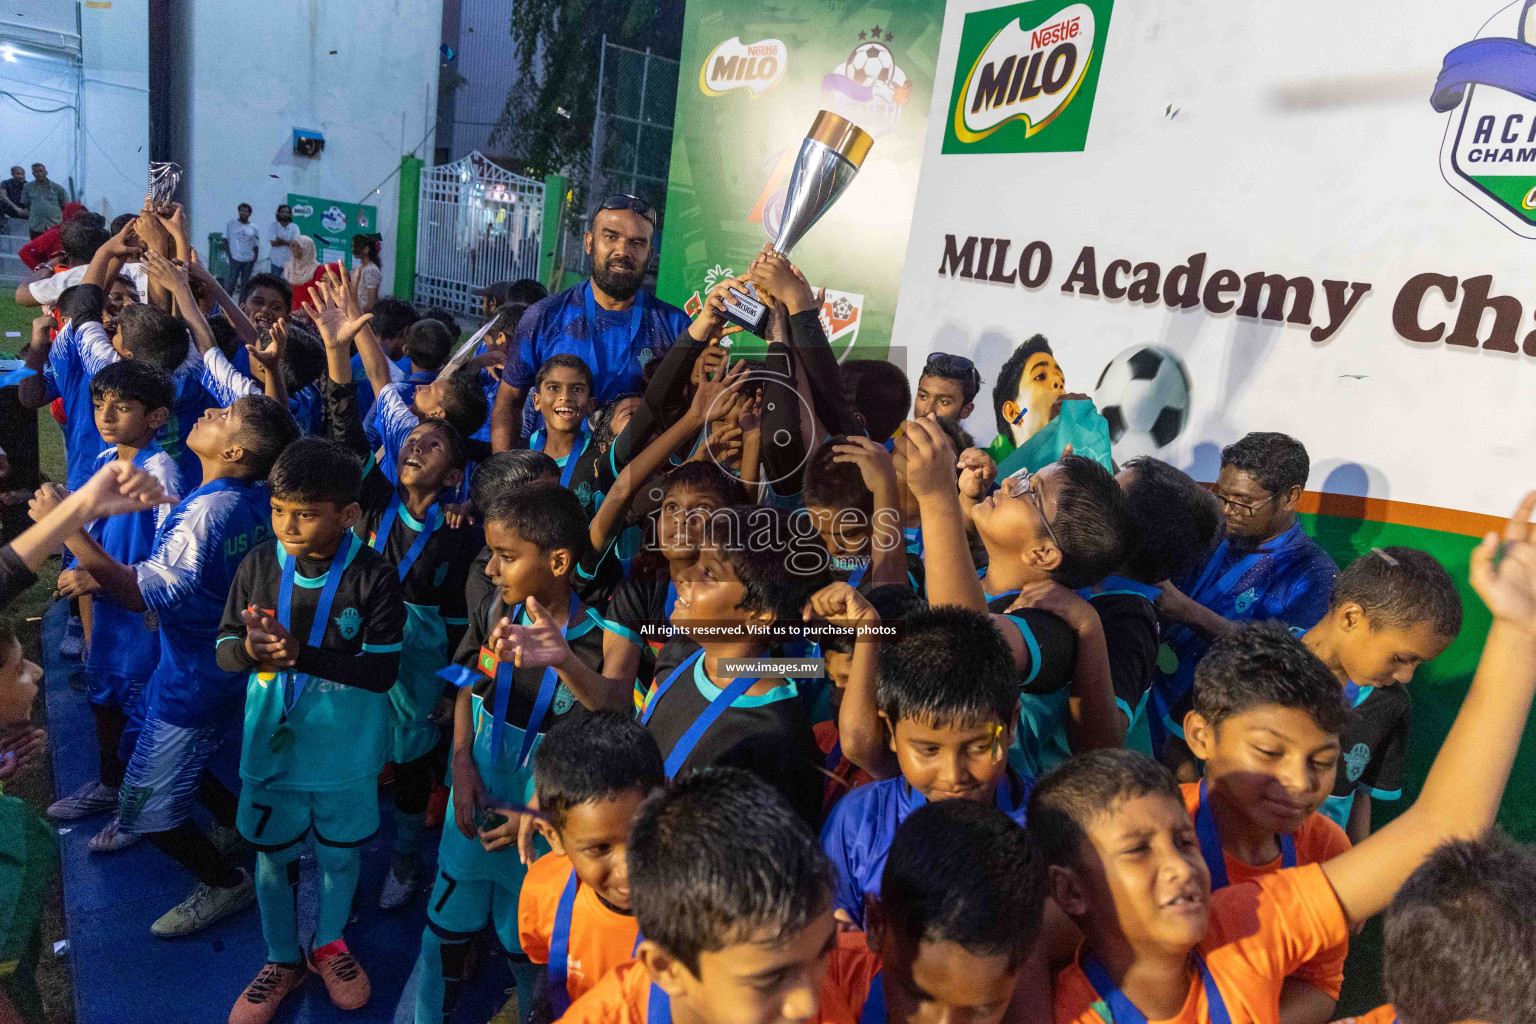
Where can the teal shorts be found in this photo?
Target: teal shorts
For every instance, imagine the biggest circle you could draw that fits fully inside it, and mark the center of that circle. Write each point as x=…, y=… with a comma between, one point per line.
x=460, y=908
x=273, y=819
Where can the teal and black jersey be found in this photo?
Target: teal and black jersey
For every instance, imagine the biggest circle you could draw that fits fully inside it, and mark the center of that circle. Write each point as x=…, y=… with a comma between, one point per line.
x=1045, y=684
x=322, y=725
x=436, y=573
x=586, y=643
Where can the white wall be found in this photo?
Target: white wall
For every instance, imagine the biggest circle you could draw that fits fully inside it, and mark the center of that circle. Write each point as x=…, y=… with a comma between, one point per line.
x=106, y=150
x=115, y=105
x=259, y=70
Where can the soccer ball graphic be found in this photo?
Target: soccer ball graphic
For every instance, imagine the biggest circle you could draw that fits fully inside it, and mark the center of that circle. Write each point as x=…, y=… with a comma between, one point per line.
x=842, y=309
x=1144, y=394
x=870, y=63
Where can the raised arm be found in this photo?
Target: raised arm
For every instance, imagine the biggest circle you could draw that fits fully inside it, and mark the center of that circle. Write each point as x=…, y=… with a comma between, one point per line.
x=951, y=575
x=860, y=730
x=1461, y=795
x=888, y=562
x=707, y=399
x=1095, y=721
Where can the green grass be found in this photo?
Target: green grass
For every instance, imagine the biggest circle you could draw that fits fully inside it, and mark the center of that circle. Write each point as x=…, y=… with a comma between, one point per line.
x=50, y=446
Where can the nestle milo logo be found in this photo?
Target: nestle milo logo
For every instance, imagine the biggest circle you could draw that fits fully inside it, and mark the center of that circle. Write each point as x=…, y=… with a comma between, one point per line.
x=1026, y=77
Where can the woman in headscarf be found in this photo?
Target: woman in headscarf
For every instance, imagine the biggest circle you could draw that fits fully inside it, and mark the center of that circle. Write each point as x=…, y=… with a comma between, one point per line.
x=302, y=270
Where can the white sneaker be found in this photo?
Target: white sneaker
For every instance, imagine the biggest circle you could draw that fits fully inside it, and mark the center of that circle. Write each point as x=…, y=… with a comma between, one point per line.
x=91, y=798
x=397, y=892
x=113, y=838
x=203, y=906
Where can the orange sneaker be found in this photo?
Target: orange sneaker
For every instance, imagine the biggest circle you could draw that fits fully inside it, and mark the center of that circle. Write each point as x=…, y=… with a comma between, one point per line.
x=344, y=977
x=261, y=997
x=437, y=807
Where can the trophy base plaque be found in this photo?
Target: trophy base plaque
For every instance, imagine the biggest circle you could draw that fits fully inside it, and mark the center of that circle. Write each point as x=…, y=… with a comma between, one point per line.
x=746, y=310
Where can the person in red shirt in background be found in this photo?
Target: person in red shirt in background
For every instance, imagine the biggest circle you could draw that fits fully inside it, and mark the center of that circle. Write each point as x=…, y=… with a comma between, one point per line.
x=302, y=269
x=590, y=777
x=47, y=245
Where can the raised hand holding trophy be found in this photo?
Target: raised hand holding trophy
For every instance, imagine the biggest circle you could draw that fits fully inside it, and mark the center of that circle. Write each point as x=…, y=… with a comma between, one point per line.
x=830, y=156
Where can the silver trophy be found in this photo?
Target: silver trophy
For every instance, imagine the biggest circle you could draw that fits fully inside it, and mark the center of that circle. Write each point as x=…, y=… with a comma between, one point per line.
x=163, y=179
x=830, y=156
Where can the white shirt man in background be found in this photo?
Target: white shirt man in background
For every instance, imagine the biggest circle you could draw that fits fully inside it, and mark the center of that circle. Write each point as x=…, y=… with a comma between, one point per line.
x=242, y=239
x=280, y=233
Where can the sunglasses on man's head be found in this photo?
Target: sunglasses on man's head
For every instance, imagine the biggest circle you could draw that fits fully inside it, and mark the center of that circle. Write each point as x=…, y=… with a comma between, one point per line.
x=625, y=201
x=943, y=361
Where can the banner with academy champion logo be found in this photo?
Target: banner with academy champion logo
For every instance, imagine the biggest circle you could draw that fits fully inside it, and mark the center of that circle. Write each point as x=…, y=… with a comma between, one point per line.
x=1310, y=217
x=751, y=81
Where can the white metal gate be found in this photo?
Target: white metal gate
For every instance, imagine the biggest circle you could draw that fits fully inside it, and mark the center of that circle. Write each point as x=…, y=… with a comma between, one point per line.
x=477, y=223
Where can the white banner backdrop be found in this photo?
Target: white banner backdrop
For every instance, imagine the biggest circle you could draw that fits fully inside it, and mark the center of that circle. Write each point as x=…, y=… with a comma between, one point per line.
x=1226, y=143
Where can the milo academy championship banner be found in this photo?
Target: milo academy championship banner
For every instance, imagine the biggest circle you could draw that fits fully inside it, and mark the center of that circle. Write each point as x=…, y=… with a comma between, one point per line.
x=751, y=81
x=1312, y=217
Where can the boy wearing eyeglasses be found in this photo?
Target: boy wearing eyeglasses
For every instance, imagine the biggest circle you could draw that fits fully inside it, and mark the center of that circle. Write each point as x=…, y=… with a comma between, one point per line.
x=1065, y=527
x=1266, y=568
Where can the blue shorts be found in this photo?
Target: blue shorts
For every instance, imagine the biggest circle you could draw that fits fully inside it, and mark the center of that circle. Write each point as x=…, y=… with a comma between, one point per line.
x=459, y=909
x=115, y=690
x=273, y=819
x=163, y=774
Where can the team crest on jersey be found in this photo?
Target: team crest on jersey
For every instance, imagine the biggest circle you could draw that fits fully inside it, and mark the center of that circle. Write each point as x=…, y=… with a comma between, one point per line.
x=1244, y=601
x=349, y=622
x=564, y=698
x=583, y=493
x=1355, y=761
x=645, y=355
x=441, y=575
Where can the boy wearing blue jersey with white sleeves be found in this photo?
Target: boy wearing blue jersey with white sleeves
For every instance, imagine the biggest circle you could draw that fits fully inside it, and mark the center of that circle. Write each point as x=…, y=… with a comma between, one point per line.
x=534, y=655
x=315, y=620
x=189, y=700
x=132, y=400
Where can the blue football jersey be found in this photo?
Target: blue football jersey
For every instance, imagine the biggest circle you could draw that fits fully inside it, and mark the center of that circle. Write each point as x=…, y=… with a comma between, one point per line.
x=185, y=581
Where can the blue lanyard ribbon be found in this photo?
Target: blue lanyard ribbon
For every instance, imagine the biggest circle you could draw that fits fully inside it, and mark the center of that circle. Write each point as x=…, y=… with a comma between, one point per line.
x=857, y=576
x=540, y=439
x=700, y=726
x=547, y=687
x=293, y=687
x=1210, y=843
x=1122, y=1011
x=560, y=948
x=429, y=522
x=914, y=538
x=659, y=1009
x=874, y=1003
x=594, y=326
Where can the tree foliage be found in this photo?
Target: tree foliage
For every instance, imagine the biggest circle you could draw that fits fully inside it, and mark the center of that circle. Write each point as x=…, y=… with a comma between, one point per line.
x=548, y=115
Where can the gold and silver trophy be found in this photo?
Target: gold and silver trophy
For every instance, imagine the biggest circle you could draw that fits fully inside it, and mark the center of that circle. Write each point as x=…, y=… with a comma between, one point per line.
x=830, y=156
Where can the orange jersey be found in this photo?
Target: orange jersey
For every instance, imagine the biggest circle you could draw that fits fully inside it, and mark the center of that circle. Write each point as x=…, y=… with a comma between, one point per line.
x=623, y=995
x=1260, y=932
x=1319, y=839
x=851, y=971
x=1381, y=1015
x=601, y=938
